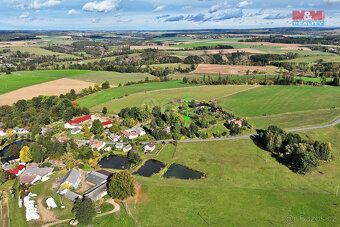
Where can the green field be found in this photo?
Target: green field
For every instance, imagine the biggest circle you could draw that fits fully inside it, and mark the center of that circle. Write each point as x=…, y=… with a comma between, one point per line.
x=170, y=66
x=113, y=93
x=241, y=188
x=40, y=51
x=162, y=97
x=113, y=77
x=28, y=78
x=297, y=119
x=270, y=100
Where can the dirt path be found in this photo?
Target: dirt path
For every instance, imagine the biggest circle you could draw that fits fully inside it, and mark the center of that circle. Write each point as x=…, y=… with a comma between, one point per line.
x=45, y=214
x=237, y=92
x=115, y=210
x=4, y=213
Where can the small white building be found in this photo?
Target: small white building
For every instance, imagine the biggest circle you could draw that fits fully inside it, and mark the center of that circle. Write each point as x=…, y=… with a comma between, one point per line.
x=79, y=121
x=133, y=133
x=119, y=146
x=114, y=137
x=3, y=132
x=149, y=147
x=127, y=148
x=76, y=130
x=97, y=144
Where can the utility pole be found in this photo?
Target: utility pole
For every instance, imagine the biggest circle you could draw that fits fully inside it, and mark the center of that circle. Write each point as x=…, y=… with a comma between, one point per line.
x=337, y=190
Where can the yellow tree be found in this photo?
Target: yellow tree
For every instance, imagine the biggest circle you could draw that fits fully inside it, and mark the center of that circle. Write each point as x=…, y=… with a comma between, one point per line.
x=69, y=160
x=25, y=154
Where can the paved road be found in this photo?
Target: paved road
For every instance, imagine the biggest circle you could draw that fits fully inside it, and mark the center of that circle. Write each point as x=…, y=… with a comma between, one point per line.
x=230, y=138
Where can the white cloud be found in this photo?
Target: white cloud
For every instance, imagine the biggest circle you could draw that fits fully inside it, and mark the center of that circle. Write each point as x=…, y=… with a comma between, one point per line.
x=332, y=1
x=35, y=4
x=102, y=7
x=96, y=20
x=215, y=8
x=25, y=16
x=243, y=4
x=72, y=11
x=158, y=8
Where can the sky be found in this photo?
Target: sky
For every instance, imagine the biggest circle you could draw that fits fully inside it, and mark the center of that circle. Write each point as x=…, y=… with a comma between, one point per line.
x=157, y=14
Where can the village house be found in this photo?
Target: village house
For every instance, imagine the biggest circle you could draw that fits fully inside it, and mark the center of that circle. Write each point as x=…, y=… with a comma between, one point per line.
x=17, y=171
x=133, y=133
x=76, y=130
x=167, y=129
x=114, y=137
x=79, y=121
x=3, y=132
x=99, y=180
x=127, y=148
x=24, y=130
x=72, y=179
x=70, y=194
x=97, y=144
x=149, y=147
x=237, y=122
x=33, y=174
x=119, y=146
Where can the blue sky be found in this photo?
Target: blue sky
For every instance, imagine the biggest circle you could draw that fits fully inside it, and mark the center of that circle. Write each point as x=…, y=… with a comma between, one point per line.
x=157, y=15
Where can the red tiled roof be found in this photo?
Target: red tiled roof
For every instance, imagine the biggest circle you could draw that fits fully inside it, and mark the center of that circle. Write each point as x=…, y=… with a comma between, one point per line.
x=125, y=133
x=104, y=172
x=16, y=170
x=151, y=144
x=106, y=123
x=27, y=128
x=80, y=120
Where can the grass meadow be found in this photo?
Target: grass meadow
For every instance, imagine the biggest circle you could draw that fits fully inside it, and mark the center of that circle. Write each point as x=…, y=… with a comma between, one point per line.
x=162, y=97
x=117, y=92
x=241, y=187
x=268, y=100
x=40, y=51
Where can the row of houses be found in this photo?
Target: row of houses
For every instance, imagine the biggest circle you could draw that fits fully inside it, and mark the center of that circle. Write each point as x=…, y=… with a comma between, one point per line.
x=16, y=130
x=77, y=123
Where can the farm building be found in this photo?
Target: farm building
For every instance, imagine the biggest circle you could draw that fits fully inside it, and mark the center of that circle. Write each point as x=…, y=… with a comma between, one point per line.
x=107, y=124
x=133, y=133
x=237, y=122
x=33, y=174
x=167, y=129
x=17, y=171
x=70, y=194
x=79, y=121
x=149, y=147
x=72, y=178
x=95, y=178
x=97, y=192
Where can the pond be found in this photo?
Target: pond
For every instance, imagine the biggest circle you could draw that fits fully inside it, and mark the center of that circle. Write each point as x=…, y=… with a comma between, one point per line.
x=182, y=172
x=19, y=143
x=115, y=162
x=150, y=167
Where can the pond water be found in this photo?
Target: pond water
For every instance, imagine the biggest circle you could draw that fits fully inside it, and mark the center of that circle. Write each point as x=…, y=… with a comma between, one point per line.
x=115, y=162
x=182, y=172
x=150, y=167
x=19, y=143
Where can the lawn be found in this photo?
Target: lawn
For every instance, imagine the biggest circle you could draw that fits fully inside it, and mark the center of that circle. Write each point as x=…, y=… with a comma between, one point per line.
x=162, y=97
x=241, y=188
x=113, y=77
x=270, y=100
x=114, y=93
x=28, y=78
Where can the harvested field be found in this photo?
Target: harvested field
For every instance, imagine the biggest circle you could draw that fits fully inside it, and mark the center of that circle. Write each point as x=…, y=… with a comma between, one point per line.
x=17, y=44
x=265, y=44
x=55, y=87
x=295, y=48
x=154, y=47
x=230, y=69
x=225, y=51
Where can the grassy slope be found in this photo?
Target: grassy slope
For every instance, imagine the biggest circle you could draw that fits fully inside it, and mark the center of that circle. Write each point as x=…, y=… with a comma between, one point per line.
x=28, y=78
x=297, y=119
x=162, y=97
x=113, y=93
x=281, y=99
x=241, y=188
x=40, y=51
x=113, y=77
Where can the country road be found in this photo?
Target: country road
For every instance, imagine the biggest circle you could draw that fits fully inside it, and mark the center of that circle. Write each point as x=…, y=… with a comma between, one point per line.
x=229, y=138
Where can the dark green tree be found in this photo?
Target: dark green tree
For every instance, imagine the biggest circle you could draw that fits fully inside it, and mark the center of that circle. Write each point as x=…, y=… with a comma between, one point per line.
x=84, y=210
x=121, y=185
x=97, y=127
